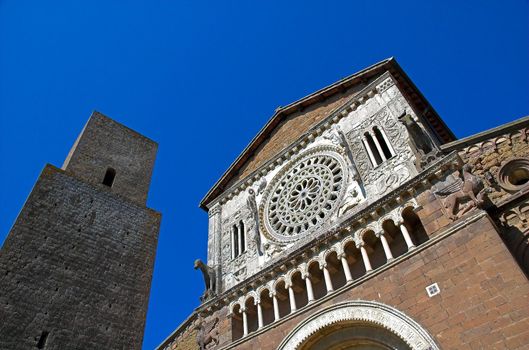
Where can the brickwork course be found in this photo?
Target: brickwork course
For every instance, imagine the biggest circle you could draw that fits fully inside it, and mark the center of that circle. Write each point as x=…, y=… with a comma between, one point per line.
x=464, y=206
x=76, y=266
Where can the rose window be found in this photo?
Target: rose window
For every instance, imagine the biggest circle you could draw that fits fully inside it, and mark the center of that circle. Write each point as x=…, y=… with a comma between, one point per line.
x=304, y=195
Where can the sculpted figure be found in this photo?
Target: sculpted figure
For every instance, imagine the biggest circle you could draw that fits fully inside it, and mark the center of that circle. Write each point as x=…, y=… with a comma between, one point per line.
x=252, y=207
x=271, y=249
x=209, y=279
x=419, y=141
x=207, y=335
x=351, y=199
x=262, y=186
x=337, y=137
x=467, y=189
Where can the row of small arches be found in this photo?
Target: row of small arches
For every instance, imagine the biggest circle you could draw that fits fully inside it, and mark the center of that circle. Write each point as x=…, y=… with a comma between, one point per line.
x=339, y=265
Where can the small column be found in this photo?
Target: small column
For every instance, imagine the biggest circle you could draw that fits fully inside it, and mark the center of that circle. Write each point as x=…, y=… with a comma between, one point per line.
x=377, y=144
x=391, y=150
x=242, y=238
x=259, y=314
x=346, y=269
x=292, y=299
x=365, y=257
x=310, y=292
x=406, y=235
x=328, y=281
x=369, y=152
x=239, y=240
x=276, y=306
x=385, y=245
x=233, y=244
x=244, y=322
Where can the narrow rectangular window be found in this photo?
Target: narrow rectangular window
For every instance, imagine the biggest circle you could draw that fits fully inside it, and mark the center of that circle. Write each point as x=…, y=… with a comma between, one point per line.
x=42, y=340
x=110, y=174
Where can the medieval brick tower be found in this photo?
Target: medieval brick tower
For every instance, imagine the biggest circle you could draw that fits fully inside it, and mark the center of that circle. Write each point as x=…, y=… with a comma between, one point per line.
x=75, y=270
x=355, y=220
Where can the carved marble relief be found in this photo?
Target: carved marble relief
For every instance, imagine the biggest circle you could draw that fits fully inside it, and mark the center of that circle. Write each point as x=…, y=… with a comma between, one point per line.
x=464, y=193
x=392, y=172
x=207, y=332
x=253, y=227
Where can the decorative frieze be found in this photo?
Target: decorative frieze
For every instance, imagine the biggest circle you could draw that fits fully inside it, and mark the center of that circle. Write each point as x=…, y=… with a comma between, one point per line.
x=363, y=312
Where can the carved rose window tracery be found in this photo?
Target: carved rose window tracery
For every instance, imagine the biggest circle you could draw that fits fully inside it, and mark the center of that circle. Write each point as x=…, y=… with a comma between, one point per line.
x=304, y=195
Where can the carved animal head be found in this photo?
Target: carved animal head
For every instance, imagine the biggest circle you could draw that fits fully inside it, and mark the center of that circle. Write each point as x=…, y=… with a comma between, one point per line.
x=406, y=119
x=198, y=263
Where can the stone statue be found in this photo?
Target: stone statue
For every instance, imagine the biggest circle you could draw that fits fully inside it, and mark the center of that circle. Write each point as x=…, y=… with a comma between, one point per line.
x=420, y=142
x=262, y=186
x=252, y=207
x=337, y=137
x=271, y=249
x=207, y=333
x=351, y=200
x=467, y=189
x=209, y=279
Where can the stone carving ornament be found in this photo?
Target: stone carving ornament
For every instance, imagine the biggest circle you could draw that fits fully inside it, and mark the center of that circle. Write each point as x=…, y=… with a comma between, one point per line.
x=396, y=134
x=463, y=194
x=210, y=279
x=420, y=142
x=304, y=194
x=207, y=333
x=364, y=312
x=252, y=208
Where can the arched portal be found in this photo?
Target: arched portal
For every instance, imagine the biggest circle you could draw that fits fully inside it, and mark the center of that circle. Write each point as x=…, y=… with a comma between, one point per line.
x=358, y=325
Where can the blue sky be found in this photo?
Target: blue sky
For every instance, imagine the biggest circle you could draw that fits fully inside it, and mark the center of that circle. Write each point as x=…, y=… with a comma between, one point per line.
x=201, y=78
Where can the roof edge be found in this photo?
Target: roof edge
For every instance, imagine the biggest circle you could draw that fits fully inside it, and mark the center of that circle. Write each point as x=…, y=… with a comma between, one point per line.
x=283, y=111
x=486, y=134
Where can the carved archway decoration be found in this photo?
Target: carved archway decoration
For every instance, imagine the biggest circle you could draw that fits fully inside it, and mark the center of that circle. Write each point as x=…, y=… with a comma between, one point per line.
x=364, y=313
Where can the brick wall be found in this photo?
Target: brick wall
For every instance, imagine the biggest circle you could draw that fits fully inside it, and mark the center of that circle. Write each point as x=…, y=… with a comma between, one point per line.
x=482, y=304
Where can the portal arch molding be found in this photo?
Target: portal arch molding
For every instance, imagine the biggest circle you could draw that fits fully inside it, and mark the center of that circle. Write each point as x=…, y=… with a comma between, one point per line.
x=361, y=314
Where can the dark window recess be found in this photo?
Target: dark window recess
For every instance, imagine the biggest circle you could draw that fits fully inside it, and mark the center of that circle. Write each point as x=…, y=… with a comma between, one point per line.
x=108, y=180
x=243, y=237
x=42, y=340
x=382, y=142
x=235, y=241
x=373, y=149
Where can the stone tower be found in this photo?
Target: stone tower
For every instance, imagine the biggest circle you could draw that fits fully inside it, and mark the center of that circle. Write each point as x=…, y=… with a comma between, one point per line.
x=355, y=219
x=76, y=267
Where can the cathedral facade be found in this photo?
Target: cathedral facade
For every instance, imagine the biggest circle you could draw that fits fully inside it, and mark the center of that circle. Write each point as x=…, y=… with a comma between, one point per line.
x=355, y=219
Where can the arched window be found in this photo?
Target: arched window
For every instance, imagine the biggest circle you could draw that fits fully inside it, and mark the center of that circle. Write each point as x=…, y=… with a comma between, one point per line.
x=234, y=242
x=386, y=150
x=372, y=150
x=377, y=146
x=238, y=239
x=108, y=180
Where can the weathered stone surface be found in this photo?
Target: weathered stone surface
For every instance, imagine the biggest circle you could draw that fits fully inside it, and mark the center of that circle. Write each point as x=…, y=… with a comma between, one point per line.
x=75, y=270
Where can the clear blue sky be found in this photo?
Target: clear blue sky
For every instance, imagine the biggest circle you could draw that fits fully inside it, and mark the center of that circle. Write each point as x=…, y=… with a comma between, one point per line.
x=201, y=78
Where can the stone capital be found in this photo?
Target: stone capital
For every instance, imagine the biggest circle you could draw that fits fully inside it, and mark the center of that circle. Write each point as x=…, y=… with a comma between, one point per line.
x=380, y=233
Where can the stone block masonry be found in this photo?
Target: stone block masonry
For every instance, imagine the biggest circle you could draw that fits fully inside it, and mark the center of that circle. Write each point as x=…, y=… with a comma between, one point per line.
x=76, y=268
